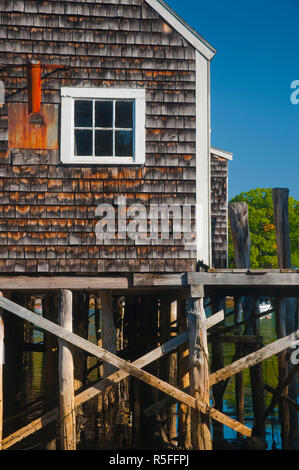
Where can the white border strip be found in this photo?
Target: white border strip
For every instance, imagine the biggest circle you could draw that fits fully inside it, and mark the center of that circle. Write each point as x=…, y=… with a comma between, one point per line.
x=103, y=92
x=203, y=184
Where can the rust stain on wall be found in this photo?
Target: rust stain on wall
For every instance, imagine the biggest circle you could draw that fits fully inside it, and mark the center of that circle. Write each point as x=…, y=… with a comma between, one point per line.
x=33, y=131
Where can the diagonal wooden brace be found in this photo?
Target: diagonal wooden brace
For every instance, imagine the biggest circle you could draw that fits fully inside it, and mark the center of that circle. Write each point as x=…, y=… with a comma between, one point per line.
x=254, y=358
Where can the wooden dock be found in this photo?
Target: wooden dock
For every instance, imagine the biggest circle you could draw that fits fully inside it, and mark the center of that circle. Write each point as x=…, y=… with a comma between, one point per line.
x=189, y=289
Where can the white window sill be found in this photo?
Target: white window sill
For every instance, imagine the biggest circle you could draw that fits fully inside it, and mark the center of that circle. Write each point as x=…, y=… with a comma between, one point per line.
x=101, y=161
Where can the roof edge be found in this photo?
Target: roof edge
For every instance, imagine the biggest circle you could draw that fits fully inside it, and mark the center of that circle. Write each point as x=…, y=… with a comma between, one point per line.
x=221, y=153
x=183, y=28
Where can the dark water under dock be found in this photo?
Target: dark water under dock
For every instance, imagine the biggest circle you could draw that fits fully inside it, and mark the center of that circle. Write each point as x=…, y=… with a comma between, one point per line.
x=270, y=369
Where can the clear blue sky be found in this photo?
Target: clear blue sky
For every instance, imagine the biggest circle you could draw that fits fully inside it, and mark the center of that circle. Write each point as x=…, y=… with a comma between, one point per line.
x=257, y=58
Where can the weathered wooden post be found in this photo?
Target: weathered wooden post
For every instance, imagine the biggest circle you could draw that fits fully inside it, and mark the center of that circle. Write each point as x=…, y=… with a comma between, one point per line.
x=218, y=304
x=184, y=381
x=108, y=329
x=164, y=363
x=50, y=368
x=110, y=398
x=239, y=382
x=80, y=327
x=173, y=376
x=148, y=335
x=252, y=309
x=13, y=370
x=131, y=321
x=286, y=320
x=239, y=224
x=199, y=369
x=66, y=376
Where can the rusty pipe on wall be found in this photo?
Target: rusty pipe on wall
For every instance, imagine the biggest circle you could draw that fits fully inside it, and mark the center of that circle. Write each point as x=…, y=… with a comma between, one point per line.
x=34, y=86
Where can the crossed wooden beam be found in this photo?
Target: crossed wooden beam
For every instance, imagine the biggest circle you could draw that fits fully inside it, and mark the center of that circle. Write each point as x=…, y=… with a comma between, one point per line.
x=135, y=369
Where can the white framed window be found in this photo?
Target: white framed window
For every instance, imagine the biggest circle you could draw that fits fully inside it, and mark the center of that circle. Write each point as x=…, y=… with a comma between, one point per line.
x=102, y=126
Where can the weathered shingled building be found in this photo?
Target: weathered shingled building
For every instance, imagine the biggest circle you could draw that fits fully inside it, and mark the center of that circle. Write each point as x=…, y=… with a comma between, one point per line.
x=104, y=98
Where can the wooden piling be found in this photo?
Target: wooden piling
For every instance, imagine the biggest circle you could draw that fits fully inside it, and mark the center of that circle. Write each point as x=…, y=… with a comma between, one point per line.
x=66, y=376
x=98, y=332
x=12, y=371
x=199, y=372
x=110, y=398
x=286, y=318
x=93, y=408
x=149, y=396
x=108, y=329
x=256, y=372
x=50, y=369
x=80, y=327
x=218, y=363
x=239, y=382
x=172, y=410
x=239, y=223
x=183, y=381
x=28, y=339
x=164, y=363
x=130, y=324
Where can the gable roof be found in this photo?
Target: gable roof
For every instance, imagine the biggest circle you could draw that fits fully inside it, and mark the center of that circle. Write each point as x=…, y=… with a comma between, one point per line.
x=183, y=28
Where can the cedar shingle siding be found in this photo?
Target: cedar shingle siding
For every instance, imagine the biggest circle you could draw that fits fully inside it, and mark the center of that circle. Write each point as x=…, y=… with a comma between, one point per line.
x=219, y=175
x=47, y=209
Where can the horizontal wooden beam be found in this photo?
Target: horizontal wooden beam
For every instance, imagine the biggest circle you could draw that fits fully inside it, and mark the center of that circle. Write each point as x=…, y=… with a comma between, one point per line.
x=219, y=278
x=158, y=280
x=238, y=279
x=46, y=283
x=252, y=271
x=254, y=358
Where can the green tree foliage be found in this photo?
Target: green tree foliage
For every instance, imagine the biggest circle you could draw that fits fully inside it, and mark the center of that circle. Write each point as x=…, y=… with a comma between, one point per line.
x=262, y=229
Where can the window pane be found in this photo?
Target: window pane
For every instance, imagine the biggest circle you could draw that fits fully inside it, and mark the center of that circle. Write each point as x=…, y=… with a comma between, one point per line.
x=83, y=113
x=103, y=143
x=83, y=143
x=124, y=114
x=124, y=143
x=103, y=114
